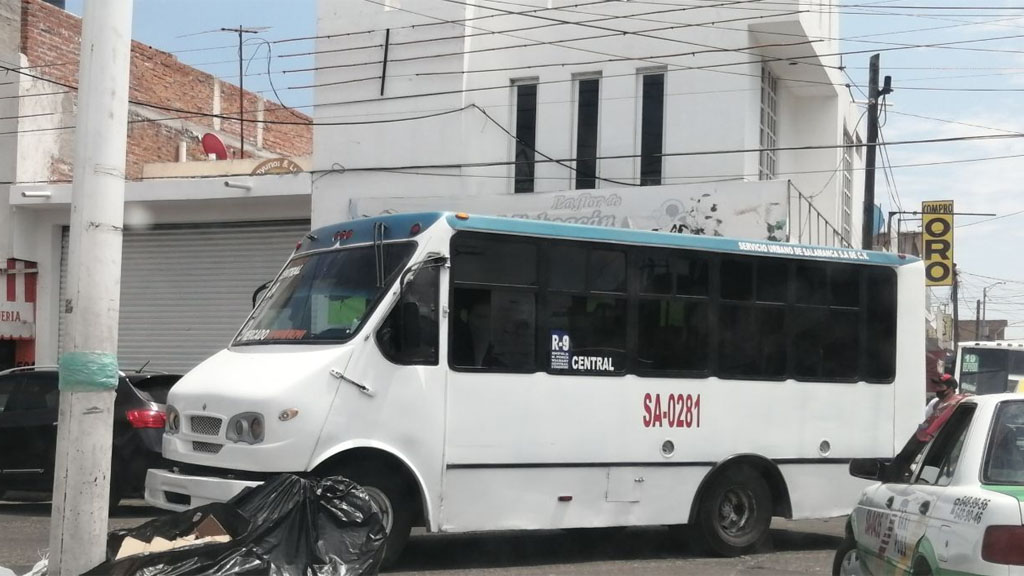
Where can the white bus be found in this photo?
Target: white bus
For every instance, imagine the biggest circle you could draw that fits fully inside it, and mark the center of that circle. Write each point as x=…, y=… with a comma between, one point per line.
x=478, y=373
x=990, y=367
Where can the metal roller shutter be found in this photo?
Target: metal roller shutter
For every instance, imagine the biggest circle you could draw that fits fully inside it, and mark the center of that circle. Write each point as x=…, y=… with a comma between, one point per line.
x=185, y=290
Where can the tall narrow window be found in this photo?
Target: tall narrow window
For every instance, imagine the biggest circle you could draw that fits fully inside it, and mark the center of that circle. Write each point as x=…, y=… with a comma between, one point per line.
x=526, y=135
x=847, y=219
x=586, y=132
x=767, y=167
x=652, y=118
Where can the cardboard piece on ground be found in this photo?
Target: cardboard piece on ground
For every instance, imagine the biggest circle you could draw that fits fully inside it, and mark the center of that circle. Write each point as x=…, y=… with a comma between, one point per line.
x=208, y=531
x=130, y=547
x=210, y=527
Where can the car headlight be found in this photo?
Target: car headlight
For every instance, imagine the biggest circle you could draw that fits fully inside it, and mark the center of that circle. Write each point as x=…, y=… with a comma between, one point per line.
x=173, y=425
x=246, y=427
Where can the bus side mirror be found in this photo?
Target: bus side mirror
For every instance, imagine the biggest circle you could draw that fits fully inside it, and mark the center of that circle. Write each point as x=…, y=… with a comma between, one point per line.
x=256, y=294
x=867, y=468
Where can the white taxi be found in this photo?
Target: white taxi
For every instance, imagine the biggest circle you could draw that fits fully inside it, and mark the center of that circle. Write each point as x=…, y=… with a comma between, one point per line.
x=958, y=508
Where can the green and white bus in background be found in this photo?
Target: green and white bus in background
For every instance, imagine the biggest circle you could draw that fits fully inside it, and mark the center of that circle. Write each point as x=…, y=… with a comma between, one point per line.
x=990, y=367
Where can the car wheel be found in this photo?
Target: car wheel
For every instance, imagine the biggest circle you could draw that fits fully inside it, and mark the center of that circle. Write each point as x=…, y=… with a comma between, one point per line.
x=922, y=568
x=734, y=512
x=395, y=500
x=847, y=560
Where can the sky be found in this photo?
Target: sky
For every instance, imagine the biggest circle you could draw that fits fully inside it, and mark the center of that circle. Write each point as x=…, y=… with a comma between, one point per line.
x=972, y=88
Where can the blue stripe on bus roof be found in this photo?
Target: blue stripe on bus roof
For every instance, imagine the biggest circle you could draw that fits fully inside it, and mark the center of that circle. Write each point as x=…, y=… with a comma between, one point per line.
x=650, y=238
x=400, y=226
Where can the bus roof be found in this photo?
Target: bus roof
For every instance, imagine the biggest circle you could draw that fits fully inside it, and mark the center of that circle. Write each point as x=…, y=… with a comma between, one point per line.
x=400, y=226
x=649, y=238
x=1019, y=344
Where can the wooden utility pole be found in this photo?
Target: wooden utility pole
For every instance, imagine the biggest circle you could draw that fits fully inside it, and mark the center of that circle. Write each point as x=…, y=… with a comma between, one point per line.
x=955, y=295
x=874, y=93
x=88, y=368
x=241, y=87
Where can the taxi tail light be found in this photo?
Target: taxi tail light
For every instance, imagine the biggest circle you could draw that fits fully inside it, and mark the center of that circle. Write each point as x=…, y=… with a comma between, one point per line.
x=1003, y=545
x=146, y=418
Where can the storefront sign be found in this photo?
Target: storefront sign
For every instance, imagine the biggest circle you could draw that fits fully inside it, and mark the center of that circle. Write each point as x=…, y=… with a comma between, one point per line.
x=276, y=166
x=17, y=321
x=937, y=242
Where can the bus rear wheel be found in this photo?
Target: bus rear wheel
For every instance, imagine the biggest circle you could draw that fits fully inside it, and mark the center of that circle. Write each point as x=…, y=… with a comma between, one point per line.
x=734, y=513
x=395, y=501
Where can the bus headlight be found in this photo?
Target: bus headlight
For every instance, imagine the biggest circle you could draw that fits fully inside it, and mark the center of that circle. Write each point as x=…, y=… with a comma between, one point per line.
x=173, y=420
x=246, y=427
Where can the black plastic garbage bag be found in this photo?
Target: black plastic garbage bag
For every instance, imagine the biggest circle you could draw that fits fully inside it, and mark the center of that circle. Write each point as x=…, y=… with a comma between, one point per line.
x=287, y=526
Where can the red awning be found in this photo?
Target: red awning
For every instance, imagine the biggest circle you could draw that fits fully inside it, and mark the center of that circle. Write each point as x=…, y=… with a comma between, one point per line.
x=18, y=300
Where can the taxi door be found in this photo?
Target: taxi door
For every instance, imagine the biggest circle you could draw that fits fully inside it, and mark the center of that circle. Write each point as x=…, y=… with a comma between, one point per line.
x=930, y=502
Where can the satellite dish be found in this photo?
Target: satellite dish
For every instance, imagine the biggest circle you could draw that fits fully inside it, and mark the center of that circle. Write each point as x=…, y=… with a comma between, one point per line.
x=213, y=145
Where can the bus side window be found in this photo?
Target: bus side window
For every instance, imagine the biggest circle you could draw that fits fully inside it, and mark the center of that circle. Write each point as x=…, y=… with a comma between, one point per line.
x=409, y=335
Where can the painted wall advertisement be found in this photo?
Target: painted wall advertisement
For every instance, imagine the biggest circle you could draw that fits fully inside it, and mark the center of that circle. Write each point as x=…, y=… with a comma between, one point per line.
x=750, y=210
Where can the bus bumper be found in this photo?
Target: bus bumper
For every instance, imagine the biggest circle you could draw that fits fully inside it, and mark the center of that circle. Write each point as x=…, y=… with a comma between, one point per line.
x=178, y=492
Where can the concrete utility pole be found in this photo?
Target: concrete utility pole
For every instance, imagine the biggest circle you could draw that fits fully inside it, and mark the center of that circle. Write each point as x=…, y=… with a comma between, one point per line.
x=88, y=367
x=977, y=320
x=874, y=93
x=984, y=308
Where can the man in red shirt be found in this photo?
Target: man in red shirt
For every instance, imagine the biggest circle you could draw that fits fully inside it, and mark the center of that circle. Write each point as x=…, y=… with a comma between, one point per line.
x=935, y=415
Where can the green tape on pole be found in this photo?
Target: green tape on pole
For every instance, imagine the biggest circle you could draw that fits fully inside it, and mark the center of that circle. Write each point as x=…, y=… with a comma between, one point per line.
x=88, y=371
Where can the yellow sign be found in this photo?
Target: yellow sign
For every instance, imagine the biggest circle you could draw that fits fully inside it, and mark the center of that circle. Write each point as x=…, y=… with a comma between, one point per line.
x=937, y=242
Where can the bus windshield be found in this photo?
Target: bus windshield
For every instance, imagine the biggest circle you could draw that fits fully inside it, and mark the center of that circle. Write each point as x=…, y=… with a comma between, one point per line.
x=323, y=297
x=990, y=370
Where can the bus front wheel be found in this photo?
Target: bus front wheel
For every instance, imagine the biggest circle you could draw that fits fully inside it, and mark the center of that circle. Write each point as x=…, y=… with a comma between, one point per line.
x=395, y=501
x=735, y=512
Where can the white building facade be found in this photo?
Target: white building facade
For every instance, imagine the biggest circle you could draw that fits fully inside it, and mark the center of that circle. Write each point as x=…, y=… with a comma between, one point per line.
x=730, y=121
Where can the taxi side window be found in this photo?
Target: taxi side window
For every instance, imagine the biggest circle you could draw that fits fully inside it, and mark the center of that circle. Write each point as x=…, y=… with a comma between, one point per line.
x=940, y=461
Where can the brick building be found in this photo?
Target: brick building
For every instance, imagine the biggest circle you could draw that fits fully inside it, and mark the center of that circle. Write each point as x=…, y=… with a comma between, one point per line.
x=50, y=39
x=199, y=236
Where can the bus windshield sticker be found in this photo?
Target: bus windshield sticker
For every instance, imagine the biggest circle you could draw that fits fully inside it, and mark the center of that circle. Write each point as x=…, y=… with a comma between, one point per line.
x=291, y=272
x=790, y=250
x=561, y=349
x=266, y=334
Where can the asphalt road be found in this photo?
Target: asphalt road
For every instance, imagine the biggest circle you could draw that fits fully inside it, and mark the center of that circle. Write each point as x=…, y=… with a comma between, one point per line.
x=795, y=548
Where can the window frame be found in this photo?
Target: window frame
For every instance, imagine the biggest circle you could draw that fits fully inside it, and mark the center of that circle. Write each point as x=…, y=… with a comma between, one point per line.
x=594, y=179
x=524, y=184
x=454, y=284
x=634, y=296
x=649, y=179
x=768, y=161
x=544, y=324
x=395, y=308
x=846, y=188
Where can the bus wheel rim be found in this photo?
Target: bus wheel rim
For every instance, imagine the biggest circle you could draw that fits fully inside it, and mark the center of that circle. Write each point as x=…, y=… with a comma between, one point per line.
x=387, y=512
x=736, y=512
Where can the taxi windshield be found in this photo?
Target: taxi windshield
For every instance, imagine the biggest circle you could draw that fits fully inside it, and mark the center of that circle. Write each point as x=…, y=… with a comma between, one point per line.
x=1004, y=458
x=324, y=297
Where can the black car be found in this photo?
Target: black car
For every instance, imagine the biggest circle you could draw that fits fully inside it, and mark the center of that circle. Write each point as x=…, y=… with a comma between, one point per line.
x=29, y=400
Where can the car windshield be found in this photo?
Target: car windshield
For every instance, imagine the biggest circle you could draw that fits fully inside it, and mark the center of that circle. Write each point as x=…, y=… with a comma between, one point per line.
x=323, y=297
x=1004, y=458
